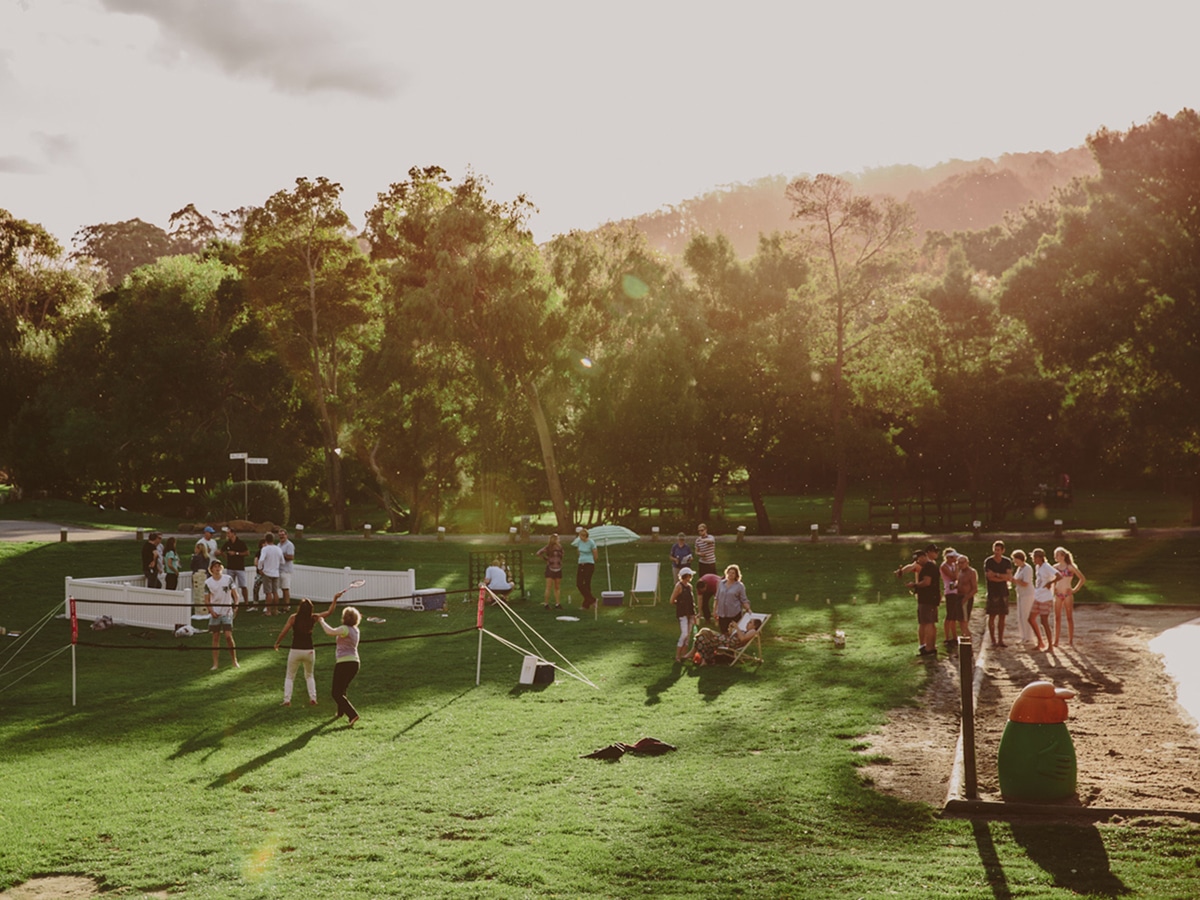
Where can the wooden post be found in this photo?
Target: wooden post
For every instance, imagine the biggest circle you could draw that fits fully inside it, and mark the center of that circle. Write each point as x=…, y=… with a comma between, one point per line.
x=966, y=672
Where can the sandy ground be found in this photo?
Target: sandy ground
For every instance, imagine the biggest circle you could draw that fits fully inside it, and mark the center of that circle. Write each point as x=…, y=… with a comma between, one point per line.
x=1136, y=746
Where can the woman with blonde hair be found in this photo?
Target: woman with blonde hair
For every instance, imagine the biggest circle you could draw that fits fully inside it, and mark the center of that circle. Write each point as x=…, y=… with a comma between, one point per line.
x=346, y=660
x=1064, y=592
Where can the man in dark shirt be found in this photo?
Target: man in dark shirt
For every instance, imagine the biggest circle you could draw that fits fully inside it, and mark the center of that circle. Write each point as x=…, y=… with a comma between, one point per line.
x=235, y=551
x=927, y=586
x=150, y=560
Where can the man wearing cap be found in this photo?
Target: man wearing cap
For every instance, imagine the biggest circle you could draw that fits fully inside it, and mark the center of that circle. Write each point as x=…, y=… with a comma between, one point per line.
x=209, y=542
x=927, y=588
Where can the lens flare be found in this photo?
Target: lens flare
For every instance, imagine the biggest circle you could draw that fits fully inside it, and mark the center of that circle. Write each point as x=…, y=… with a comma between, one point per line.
x=585, y=362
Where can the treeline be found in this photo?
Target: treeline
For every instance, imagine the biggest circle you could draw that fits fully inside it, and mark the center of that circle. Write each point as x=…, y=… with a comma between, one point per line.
x=440, y=358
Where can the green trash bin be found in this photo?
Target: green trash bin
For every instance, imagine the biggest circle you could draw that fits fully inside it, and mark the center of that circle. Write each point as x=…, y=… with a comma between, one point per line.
x=1036, y=760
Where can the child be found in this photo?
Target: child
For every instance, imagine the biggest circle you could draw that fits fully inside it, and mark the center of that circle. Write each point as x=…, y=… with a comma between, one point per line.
x=221, y=598
x=685, y=611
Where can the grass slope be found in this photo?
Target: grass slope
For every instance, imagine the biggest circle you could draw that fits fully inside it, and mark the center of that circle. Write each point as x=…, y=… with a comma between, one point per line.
x=169, y=777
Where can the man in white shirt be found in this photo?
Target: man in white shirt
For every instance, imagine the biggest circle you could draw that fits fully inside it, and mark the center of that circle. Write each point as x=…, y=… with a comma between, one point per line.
x=210, y=543
x=1043, y=596
x=270, y=560
x=288, y=549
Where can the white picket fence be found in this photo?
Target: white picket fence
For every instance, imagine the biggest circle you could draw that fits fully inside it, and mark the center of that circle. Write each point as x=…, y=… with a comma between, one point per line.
x=119, y=596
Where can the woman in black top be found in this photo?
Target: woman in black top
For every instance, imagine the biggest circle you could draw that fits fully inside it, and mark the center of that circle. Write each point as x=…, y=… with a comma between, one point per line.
x=300, y=623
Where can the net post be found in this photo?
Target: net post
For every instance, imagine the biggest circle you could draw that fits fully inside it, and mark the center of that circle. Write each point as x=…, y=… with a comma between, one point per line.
x=966, y=671
x=479, y=628
x=74, y=642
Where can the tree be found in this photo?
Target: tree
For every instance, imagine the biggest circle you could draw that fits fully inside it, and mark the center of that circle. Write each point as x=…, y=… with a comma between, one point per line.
x=316, y=293
x=122, y=246
x=1114, y=296
x=466, y=267
x=861, y=243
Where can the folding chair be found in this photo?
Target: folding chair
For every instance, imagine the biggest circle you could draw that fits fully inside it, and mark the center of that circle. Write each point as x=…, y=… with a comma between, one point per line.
x=645, y=581
x=743, y=652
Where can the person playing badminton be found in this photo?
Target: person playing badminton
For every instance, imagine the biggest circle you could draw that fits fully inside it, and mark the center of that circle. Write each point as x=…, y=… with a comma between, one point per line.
x=346, y=660
x=300, y=623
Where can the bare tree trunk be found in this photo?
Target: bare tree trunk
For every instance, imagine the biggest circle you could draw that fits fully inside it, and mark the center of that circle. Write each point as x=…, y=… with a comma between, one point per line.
x=760, y=508
x=546, y=440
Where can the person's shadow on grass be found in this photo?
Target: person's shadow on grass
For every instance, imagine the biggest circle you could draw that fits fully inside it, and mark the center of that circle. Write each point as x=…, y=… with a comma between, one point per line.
x=655, y=691
x=1074, y=855
x=296, y=743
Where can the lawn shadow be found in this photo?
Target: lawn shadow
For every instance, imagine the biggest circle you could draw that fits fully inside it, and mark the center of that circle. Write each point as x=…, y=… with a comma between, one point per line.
x=1074, y=855
x=993, y=869
x=655, y=691
x=417, y=721
x=713, y=681
x=210, y=741
x=296, y=743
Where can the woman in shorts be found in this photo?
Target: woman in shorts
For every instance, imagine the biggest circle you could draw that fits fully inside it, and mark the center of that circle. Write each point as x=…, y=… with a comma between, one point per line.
x=552, y=553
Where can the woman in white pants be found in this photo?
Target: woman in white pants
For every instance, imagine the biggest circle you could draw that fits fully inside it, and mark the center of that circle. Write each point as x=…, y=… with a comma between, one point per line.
x=300, y=623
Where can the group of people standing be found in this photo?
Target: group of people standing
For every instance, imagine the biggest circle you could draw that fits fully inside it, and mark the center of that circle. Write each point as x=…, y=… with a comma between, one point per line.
x=726, y=597
x=1041, y=588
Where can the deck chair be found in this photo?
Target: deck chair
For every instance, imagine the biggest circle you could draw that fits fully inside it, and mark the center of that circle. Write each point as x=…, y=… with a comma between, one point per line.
x=744, y=651
x=645, y=582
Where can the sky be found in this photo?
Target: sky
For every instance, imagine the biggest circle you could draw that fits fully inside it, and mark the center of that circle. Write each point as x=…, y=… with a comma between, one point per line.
x=121, y=109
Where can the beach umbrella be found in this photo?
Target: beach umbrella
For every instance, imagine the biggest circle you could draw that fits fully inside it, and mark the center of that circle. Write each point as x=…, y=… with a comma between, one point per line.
x=612, y=535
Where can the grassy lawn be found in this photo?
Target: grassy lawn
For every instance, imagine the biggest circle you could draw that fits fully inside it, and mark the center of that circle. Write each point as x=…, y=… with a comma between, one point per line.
x=167, y=777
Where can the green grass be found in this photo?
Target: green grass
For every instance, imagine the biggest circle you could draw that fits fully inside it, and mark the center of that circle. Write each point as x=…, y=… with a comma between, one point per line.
x=168, y=777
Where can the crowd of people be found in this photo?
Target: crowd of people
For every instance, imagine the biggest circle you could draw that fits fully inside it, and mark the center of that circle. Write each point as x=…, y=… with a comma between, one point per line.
x=1041, y=590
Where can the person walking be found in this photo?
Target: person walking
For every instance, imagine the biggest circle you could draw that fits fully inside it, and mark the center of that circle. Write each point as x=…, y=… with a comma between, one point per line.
x=300, y=624
x=552, y=553
x=346, y=662
x=685, y=612
x=587, y=567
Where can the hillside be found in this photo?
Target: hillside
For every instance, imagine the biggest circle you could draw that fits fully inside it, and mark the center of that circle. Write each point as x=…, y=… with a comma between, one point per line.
x=952, y=196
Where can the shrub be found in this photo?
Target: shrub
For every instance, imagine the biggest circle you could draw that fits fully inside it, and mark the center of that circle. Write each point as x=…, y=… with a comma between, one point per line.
x=268, y=501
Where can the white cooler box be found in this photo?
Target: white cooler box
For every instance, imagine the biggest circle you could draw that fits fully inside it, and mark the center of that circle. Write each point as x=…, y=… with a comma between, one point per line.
x=535, y=670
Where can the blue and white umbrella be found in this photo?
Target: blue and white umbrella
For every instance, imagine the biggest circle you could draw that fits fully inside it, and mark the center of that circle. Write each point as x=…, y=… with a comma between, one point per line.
x=606, y=535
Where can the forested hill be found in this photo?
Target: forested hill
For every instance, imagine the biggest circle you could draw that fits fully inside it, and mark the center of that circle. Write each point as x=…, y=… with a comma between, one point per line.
x=957, y=195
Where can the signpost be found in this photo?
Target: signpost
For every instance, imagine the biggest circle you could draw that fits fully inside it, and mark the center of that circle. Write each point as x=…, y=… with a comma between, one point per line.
x=247, y=462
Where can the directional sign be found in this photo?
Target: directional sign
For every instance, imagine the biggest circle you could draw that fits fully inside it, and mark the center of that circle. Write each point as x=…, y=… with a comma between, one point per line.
x=238, y=455
x=257, y=461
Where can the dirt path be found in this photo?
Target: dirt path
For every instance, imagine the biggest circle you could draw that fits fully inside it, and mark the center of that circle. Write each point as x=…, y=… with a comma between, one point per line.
x=1136, y=747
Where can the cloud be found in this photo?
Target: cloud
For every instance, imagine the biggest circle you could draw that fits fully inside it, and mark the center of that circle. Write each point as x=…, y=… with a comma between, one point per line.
x=291, y=46
x=19, y=165
x=57, y=148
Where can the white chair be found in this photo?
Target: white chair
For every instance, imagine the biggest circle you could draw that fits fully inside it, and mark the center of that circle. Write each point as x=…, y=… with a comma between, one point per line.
x=743, y=652
x=645, y=581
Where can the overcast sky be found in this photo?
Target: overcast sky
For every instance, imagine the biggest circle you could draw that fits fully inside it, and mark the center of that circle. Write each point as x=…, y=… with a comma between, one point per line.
x=115, y=109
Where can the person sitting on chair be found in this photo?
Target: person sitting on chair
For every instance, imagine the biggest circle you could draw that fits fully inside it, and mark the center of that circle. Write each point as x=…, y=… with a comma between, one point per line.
x=496, y=579
x=709, y=642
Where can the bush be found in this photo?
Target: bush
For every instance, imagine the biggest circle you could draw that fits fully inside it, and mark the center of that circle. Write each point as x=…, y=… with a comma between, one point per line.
x=268, y=501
